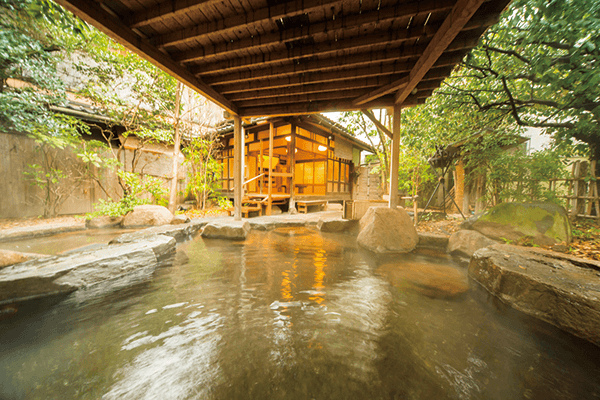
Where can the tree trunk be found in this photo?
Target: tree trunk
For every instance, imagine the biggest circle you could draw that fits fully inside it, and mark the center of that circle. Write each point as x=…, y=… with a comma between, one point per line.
x=173, y=191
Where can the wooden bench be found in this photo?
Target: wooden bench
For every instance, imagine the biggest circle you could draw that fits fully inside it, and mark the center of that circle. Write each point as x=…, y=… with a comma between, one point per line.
x=248, y=206
x=304, y=204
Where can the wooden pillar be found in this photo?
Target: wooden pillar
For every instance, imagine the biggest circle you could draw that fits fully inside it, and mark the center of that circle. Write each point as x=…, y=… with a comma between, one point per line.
x=176, y=145
x=238, y=165
x=459, y=184
x=292, y=158
x=261, y=182
x=270, y=180
x=395, y=154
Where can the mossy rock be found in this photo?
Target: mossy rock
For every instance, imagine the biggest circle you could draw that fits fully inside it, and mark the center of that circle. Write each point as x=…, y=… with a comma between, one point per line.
x=539, y=223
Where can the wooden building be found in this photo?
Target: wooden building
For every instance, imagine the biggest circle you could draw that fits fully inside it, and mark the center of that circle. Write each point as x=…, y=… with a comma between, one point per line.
x=281, y=58
x=312, y=159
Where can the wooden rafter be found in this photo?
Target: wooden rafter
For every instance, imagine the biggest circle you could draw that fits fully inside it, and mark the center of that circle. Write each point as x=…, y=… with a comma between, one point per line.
x=361, y=83
x=272, y=60
x=222, y=49
x=382, y=91
x=104, y=21
x=454, y=23
x=322, y=106
x=335, y=76
x=163, y=10
x=380, y=15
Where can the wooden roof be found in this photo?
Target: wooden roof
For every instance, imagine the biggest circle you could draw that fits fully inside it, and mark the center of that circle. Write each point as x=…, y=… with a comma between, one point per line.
x=286, y=57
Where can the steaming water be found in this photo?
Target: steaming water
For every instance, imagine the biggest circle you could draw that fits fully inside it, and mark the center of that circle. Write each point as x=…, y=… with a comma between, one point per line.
x=293, y=314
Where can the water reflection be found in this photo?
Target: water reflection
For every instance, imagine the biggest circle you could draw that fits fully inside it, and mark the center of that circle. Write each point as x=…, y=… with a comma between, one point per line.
x=292, y=314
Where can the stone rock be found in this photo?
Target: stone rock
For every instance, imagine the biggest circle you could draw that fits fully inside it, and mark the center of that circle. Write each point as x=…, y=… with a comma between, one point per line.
x=465, y=243
x=23, y=232
x=8, y=257
x=178, y=232
x=275, y=210
x=236, y=230
x=338, y=225
x=436, y=281
x=334, y=207
x=291, y=231
x=385, y=230
x=261, y=224
x=65, y=274
x=104, y=222
x=543, y=223
x=557, y=288
x=435, y=241
x=180, y=219
x=147, y=215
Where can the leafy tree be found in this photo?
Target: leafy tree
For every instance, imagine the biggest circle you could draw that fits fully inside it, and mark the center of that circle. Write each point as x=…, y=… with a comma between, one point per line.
x=138, y=98
x=539, y=66
x=359, y=125
x=203, y=168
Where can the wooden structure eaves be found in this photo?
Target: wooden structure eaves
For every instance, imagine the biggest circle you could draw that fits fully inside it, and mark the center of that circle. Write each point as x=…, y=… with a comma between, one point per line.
x=290, y=57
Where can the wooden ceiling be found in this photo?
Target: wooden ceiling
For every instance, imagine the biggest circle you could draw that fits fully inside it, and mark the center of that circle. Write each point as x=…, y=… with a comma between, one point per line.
x=285, y=57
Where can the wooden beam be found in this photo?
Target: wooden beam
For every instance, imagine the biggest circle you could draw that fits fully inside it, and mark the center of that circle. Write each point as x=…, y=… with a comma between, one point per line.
x=238, y=165
x=215, y=29
x=454, y=23
x=379, y=125
x=322, y=106
x=382, y=91
x=223, y=49
x=162, y=11
x=309, y=98
x=326, y=77
x=93, y=13
x=388, y=53
x=299, y=98
x=270, y=188
x=395, y=157
x=360, y=83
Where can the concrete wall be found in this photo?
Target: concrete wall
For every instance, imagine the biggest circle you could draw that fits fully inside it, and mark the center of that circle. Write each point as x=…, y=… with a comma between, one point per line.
x=19, y=198
x=368, y=185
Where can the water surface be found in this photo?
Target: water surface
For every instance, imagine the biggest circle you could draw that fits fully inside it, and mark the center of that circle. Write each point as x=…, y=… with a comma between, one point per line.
x=292, y=314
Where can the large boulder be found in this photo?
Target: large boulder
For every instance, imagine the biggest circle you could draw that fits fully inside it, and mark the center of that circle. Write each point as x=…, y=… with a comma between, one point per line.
x=104, y=222
x=543, y=224
x=436, y=281
x=560, y=289
x=387, y=230
x=65, y=274
x=433, y=241
x=8, y=257
x=147, y=215
x=338, y=225
x=24, y=232
x=465, y=243
x=236, y=230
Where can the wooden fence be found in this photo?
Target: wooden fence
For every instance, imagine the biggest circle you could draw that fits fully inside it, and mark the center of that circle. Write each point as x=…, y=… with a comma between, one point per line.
x=581, y=190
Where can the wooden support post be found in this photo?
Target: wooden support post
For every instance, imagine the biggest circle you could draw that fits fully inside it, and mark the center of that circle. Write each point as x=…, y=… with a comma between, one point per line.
x=260, y=167
x=238, y=165
x=292, y=159
x=176, y=145
x=270, y=180
x=459, y=183
x=395, y=154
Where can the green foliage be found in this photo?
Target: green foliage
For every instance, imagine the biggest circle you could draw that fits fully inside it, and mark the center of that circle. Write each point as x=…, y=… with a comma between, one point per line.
x=510, y=174
x=539, y=66
x=204, y=170
x=135, y=188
